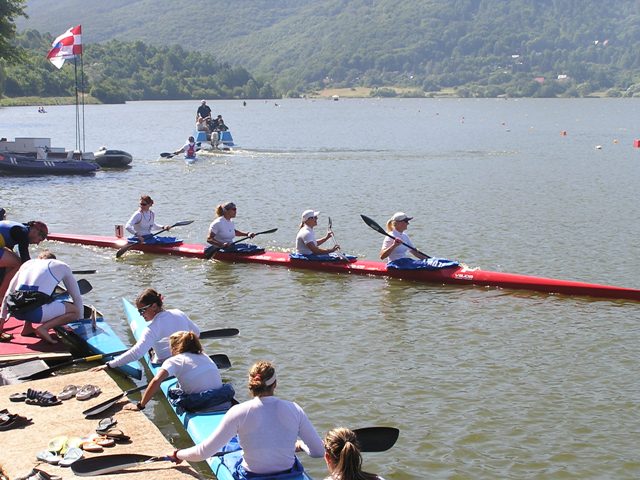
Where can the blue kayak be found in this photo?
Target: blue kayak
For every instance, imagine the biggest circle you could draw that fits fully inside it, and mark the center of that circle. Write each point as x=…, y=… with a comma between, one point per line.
x=198, y=425
x=99, y=338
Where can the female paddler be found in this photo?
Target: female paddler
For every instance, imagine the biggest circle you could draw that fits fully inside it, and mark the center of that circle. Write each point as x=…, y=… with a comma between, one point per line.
x=343, y=458
x=306, y=243
x=392, y=248
x=162, y=323
x=222, y=230
x=268, y=430
x=200, y=384
x=142, y=221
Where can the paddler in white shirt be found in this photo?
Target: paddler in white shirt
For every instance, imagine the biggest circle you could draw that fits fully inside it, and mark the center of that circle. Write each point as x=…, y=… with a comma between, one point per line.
x=392, y=248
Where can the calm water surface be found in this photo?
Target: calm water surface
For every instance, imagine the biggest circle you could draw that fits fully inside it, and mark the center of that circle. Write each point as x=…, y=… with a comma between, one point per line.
x=483, y=383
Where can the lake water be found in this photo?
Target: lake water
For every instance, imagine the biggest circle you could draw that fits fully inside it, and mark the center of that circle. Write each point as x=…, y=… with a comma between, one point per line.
x=483, y=383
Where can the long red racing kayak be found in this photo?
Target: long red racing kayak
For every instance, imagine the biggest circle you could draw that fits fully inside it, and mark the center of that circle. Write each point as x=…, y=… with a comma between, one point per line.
x=462, y=275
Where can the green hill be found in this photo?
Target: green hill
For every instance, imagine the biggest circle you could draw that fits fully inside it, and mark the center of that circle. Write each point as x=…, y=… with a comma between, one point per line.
x=479, y=47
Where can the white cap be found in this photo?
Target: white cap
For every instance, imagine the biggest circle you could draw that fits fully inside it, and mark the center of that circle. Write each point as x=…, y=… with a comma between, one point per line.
x=204, y=101
x=307, y=214
x=400, y=216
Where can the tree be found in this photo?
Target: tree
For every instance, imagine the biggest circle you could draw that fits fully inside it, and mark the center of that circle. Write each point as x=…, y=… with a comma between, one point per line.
x=9, y=11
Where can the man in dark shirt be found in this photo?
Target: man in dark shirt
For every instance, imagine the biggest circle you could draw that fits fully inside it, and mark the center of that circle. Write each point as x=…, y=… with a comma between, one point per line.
x=204, y=111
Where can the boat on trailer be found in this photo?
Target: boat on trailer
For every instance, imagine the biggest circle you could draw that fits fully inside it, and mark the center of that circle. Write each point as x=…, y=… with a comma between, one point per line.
x=459, y=275
x=198, y=425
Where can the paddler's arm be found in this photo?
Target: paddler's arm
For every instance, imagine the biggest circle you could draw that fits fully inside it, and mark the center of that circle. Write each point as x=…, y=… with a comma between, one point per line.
x=388, y=246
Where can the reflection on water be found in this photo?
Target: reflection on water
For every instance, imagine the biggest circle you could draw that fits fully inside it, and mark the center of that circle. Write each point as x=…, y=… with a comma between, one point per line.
x=483, y=383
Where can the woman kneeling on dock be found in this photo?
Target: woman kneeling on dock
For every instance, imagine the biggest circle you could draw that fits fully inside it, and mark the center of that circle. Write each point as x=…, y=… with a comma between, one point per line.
x=267, y=428
x=201, y=386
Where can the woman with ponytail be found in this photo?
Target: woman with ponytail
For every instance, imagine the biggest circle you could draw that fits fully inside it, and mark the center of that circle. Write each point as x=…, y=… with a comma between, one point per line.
x=268, y=429
x=201, y=386
x=342, y=454
x=162, y=323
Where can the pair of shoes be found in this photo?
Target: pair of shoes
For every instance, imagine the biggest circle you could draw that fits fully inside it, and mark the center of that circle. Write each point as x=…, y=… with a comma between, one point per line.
x=68, y=392
x=58, y=444
x=105, y=424
x=85, y=392
x=96, y=443
x=5, y=337
x=10, y=421
x=37, y=474
x=117, y=435
x=72, y=454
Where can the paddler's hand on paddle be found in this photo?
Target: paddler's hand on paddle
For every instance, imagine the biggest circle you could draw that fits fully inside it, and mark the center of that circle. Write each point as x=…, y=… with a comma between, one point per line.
x=250, y=235
x=140, y=238
x=336, y=247
x=99, y=368
x=166, y=227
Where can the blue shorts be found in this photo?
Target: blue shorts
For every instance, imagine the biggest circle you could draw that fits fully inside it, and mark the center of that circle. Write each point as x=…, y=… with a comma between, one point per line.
x=43, y=313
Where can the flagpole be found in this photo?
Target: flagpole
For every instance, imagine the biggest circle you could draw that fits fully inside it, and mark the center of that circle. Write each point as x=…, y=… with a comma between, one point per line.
x=84, y=146
x=75, y=72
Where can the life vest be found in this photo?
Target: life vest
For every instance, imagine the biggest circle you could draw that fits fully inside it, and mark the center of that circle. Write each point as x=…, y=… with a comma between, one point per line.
x=191, y=151
x=6, y=240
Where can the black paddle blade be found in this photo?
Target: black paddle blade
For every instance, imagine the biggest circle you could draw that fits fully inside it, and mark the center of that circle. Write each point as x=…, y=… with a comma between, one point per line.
x=166, y=155
x=102, y=464
x=84, y=286
x=83, y=272
x=376, y=439
x=220, y=333
x=221, y=361
x=106, y=405
x=372, y=223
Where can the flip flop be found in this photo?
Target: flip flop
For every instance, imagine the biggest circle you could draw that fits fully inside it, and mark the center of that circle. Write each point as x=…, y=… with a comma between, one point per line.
x=68, y=392
x=101, y=440
x=91, y=446
x=73, y=454
x=57, y=444
x=105, y=424
x=49, y=457
x=117, y=435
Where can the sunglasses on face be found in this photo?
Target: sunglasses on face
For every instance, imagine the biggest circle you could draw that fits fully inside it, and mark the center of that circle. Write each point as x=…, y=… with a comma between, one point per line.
x=143, y=204
x=141, y=310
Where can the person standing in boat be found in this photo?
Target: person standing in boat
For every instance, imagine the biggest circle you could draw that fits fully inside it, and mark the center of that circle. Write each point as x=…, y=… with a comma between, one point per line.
x=162, y=324
x=222, y=230
x=306, y=243
x=188, y=148
x=204, y=112
x=142, y=221
x=29, y=296
x=200, y=385
x=267, y=428
x=22, y=235
x=343, y=457
x=392, y=248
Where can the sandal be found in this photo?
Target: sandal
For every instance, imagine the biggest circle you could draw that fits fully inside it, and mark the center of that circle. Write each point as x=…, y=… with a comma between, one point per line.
x=86, y=392
x=73, y=454
x=6, y=337
x=18, y=397
x=117, y=435
x=105, y=424
x=90, y=446
x=101, y=440
x=49, y=457
x=37, y=474
x=68, y=392
x=45, y=399
x=11, y=421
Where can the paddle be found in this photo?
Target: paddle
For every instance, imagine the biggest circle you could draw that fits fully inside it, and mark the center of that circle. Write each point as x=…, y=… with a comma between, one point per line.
x=335, y=242
x=171, y=155
x=83, y=272
x=46, y=372
x=372, y=439
x=381, y=230
x=212, y=250
x=220, y=333
x=129, y=246
x=221, y=361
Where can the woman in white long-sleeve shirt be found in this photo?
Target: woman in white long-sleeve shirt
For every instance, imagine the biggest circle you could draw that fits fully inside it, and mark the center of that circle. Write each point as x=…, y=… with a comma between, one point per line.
x=162, y=324
x=270, y=430
x=143, y=220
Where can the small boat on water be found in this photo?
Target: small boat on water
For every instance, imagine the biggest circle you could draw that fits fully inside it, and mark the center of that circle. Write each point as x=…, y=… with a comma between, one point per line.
x=198, y=425
x=459, y=275
x=36, y=156
x=108, y=158
x=216, y=142
x=18, y=165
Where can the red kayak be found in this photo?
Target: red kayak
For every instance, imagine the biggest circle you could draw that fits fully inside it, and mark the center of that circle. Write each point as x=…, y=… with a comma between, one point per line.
x=461, y=275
